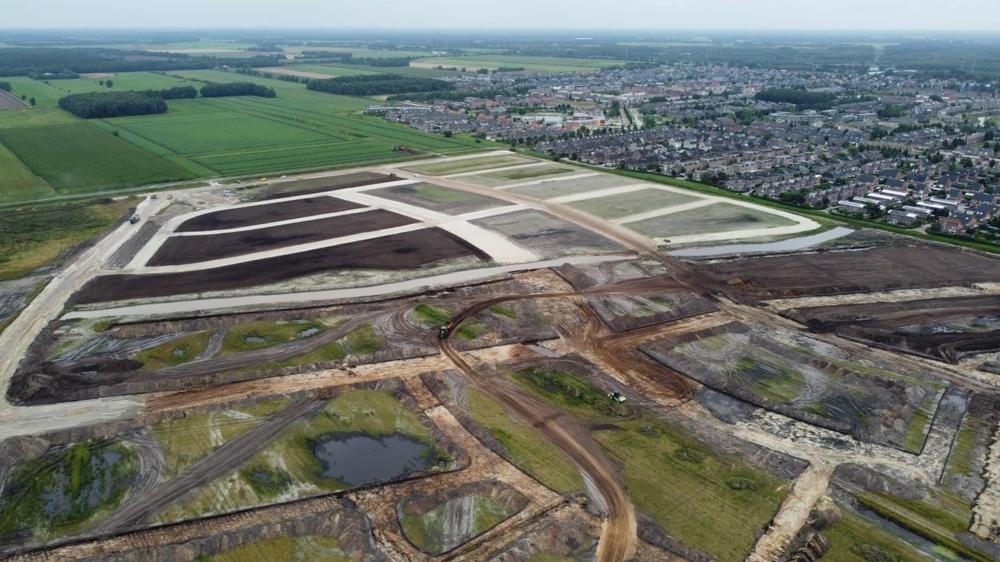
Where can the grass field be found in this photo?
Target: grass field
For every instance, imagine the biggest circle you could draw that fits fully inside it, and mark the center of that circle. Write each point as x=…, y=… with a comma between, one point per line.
x=853, y=537
x=82, y=157
x=313, y=548
x=704, y=500
x=34, y=237
x=526, y=447
x=532, y=64
x=617, y=206
x=259, y=335
x=175, y=352
x=720, y=217
x=196, y=138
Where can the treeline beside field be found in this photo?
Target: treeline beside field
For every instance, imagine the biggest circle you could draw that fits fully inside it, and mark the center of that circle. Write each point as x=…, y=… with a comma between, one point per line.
x=236, y=89
x=348, y=58
x=5, y=86
x=99, y=105
x=112, y=104
x=52, y=62
x=378, y=84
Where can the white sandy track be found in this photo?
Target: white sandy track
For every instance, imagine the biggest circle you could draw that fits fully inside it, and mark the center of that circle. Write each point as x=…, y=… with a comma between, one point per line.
x=287, y=250
x=400, y=287
x=546, y=180
x=793, y=513
x=169, y=229
x=273, y=224
x=500, y=248
x=600, y=193
x=45, y=308
x=663, y=211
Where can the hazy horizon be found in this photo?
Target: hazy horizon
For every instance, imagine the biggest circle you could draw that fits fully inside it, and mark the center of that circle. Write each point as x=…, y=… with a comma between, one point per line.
x=638, y=15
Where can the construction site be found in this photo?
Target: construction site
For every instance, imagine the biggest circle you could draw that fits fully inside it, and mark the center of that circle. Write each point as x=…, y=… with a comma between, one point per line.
x=496, y=358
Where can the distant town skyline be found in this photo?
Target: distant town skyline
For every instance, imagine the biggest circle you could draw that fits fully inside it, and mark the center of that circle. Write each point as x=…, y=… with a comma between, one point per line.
x=916, y=15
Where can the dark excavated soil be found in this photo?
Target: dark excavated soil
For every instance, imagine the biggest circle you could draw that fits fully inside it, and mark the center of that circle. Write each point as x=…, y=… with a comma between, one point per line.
x=944, y=329
x=193, y=249
x=320, y=185
x=875, y=269
x=401, y=251
x=260, y=214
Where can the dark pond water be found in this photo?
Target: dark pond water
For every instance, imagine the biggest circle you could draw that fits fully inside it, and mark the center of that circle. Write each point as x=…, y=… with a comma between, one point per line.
x=359, y=459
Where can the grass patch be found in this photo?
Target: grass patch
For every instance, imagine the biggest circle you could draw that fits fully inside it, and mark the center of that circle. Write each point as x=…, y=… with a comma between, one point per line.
x=189, y=439
x=708, y=501
x=31, y=238
x=916, y=431
x=526, y=448
x=532, y=172
x=174, y=352
x=568, y=392
x=268, y=333
x=719, y=217
x=314, y=548
x=505, y=311
x=429, y=531
x=938, y=519
x=853, y=538
x=441, y=194
x=82, y=157
x=434, y=317
x=625, y=204
x=65, y=490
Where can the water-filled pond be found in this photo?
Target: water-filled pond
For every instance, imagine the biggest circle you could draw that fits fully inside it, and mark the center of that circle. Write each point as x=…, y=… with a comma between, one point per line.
x=358, y=459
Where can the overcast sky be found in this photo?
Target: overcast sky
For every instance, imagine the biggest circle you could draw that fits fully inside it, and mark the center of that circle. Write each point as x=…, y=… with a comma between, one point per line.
x=574, y=14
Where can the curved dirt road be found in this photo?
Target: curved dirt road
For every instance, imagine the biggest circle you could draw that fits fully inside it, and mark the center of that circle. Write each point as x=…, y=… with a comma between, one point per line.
x=618, y=535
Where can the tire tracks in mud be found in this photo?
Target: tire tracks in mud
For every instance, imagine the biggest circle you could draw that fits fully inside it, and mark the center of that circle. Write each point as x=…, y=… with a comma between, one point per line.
x=225, y=459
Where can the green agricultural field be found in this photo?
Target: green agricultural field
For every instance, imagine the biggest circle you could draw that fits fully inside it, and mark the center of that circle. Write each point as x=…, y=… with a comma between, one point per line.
x=197, y=138
x=526, y=448
x=706, y=501
x=532, y=64
x=34, y=237
x=361, y=52
x=468, y=165
x=17, y=181
x=625, y=204
x=720, y=217
x=82, y=157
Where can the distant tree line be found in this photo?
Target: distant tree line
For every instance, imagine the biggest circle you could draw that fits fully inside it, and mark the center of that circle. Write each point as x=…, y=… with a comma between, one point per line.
x=456, y=95
x=175, y=93
x=52, y=62
x=236, y=89
x=96, y=105
x=802, y=99
x=348, y=58
x=378, y=84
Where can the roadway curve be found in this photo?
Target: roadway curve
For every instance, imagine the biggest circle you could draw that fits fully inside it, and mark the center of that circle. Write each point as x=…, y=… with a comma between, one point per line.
x=618, y=536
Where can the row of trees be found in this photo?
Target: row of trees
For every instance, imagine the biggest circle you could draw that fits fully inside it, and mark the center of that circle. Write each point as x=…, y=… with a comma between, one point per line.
x=378, y=84
x=236, y=89
x=175, y=93
x=53, y=62
x=5, y=86
x=97, y=105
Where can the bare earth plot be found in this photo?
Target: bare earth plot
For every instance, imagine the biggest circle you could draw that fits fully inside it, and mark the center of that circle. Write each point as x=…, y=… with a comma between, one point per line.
x=468, y=165
x=265, y=213
x=192, y=249
x=518, y=175
x=438, y=198
x=719, y=217
x=556, y=187
x=618, y=206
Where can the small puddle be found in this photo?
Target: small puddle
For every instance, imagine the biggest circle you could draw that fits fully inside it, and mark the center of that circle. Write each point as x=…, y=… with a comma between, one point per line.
x=918, y=542
x=254, y=339
x=97, y=487
x=358, y=459
x=307, y=333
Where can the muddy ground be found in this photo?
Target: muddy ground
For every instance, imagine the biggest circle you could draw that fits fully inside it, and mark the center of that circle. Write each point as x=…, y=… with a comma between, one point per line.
x=944, y=329
x=897, y=266
x=193, y=249
x=400, y=251
x=260, y=214
x=321, y=185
